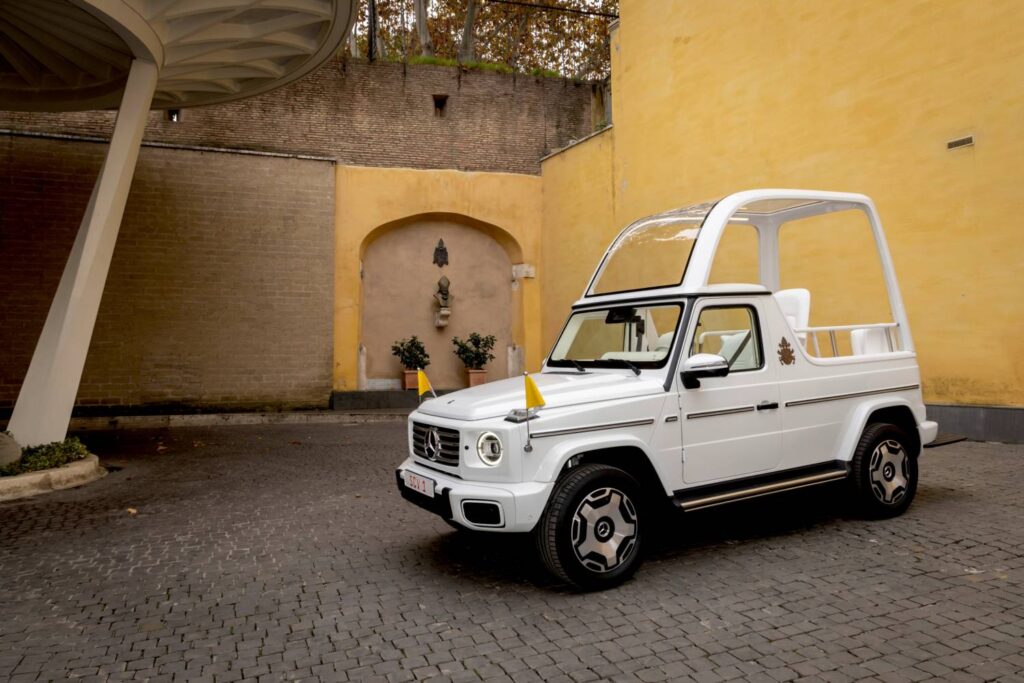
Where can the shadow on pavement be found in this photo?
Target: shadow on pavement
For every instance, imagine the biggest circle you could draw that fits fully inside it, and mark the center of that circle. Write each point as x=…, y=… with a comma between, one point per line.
x=491, y=558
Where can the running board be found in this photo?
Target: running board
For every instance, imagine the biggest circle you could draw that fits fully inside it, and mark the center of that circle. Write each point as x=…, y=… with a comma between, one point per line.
x=754, y=487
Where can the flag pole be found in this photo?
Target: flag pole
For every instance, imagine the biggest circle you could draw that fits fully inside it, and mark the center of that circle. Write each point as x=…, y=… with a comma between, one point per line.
x=528, y=447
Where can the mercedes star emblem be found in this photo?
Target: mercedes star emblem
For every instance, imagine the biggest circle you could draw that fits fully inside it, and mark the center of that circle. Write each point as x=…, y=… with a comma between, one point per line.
x=432, y=444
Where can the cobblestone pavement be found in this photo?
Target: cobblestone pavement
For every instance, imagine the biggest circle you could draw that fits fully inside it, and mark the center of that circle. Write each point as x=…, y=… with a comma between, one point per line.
x=284, y=552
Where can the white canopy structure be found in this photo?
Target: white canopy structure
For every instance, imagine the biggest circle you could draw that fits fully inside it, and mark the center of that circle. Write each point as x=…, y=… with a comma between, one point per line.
x=135, y=55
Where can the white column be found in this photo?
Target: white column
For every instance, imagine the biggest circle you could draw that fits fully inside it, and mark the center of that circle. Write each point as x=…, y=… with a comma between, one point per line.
x=43, y=409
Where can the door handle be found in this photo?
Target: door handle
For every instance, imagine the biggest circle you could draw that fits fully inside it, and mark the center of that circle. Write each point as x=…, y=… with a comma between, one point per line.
x=768, y=405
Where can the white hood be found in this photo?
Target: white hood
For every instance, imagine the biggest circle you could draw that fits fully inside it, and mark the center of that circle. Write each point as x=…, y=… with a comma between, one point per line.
x=560, y=389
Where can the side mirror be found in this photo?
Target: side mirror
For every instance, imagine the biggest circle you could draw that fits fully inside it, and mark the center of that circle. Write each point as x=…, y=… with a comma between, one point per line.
x=702, y=365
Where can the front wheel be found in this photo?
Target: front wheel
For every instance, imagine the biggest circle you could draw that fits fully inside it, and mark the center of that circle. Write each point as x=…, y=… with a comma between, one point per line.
x=884, y=471
x=590, y=534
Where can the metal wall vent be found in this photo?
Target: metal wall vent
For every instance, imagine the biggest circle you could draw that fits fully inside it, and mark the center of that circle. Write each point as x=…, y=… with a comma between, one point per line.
x=961, y=142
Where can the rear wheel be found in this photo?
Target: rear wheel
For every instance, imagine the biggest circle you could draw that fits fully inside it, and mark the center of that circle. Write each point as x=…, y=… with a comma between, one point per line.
x=590, y=534
x=884, y=471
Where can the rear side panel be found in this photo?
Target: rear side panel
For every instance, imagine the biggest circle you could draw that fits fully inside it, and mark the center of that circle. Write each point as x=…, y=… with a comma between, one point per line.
x=823, y=401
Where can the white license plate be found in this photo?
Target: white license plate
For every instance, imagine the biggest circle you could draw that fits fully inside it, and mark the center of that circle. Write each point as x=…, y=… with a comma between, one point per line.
x=420, y=484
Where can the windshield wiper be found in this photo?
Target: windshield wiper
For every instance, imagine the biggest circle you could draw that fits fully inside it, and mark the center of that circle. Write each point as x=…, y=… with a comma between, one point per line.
x=635, y=369
x=578, y=366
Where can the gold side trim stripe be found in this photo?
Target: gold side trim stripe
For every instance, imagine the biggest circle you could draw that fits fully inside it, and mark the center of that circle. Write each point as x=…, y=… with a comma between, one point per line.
x=855, y=394
x=724, y=411
x=762, y=490
x=592, y=428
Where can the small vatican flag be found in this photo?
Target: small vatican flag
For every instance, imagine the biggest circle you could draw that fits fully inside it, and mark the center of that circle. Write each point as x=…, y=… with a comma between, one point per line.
x=424, y=383
x=534, y=399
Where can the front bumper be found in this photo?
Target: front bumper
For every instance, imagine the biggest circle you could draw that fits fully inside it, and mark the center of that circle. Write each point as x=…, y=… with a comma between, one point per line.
x=928, y=431
x=521, y=504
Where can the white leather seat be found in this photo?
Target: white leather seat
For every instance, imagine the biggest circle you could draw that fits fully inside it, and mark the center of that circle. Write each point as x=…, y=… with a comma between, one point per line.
x=664, y=342
x=869, y=341
x=796, y=308
x=747, y=360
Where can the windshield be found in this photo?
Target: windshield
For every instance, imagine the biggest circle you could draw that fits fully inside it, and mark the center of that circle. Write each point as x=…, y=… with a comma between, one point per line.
x=618, y=337
x=651, y=253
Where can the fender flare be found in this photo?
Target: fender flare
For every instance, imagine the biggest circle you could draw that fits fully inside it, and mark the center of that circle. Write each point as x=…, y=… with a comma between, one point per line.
x=561, y=452
x=859, y=419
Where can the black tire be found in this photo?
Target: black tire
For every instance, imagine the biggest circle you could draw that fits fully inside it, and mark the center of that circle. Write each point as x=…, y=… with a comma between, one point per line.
x=883, y=476
x=612, y=499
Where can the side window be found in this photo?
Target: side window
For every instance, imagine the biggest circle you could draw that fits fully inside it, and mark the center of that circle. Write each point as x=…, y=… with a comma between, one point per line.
x=730, y=332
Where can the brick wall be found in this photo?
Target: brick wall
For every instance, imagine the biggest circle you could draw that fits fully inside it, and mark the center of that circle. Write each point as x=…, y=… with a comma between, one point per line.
x=377, y=115
x=219, y=294
x=220, y=290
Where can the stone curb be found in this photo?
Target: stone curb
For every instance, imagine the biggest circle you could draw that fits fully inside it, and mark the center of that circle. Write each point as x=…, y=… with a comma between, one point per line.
x=33, y=483
x=221, y=419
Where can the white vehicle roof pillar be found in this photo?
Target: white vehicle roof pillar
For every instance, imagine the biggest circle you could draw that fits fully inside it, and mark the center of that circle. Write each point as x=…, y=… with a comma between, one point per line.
x=43, y=410
x=698, y=268
x=892, y=285
x=768, y=254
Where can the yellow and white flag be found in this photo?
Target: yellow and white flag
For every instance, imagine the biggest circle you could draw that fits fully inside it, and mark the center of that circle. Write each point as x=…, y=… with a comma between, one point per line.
x=424, y=383
x=534, y=399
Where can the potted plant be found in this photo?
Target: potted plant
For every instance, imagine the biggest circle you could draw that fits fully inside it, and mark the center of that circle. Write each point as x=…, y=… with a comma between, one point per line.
x=413, y=356
x=475, y=353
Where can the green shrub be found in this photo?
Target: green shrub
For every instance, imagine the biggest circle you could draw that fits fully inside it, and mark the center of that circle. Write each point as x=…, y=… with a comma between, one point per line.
x=489, y=66
x=46, y=456
x=411, y=353
x=544, y=73
x=476, y=66
x=432, y=60
x=475, y=352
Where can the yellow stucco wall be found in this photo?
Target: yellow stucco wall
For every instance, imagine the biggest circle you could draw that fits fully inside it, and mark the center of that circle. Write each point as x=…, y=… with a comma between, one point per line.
x=828, y=95
x=372, y=200
x=578, y=223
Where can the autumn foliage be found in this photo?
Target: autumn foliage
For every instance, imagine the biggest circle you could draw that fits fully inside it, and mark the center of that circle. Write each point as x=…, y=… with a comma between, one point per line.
x=525, y=39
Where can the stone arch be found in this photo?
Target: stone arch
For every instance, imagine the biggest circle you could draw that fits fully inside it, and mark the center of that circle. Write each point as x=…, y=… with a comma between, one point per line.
x=398, y=285
x=509, y=243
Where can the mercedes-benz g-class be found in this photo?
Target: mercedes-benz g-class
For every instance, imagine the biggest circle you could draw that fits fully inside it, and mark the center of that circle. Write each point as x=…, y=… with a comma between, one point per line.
x=663, y=387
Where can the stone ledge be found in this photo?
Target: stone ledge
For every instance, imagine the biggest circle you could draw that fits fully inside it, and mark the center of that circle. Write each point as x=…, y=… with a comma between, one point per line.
x=353, y=417
x=33, y=483
x=1003, y=424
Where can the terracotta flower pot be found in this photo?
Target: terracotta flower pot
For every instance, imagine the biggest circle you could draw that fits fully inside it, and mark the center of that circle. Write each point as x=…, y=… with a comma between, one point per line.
x=476, y=377
x=409, y=380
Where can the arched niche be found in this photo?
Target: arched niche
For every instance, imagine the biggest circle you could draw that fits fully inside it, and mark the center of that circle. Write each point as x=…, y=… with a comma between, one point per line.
x=399, y=280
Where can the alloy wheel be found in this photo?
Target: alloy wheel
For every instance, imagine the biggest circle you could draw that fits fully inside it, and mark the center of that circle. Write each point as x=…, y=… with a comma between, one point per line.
x=889, y=473
x=604, y=529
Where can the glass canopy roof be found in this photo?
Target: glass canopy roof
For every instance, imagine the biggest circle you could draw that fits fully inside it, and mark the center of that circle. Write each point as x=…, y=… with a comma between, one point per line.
x=652, y=252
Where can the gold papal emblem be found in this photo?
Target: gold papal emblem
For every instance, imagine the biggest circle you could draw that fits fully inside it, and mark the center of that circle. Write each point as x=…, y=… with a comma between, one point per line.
x=786, y=355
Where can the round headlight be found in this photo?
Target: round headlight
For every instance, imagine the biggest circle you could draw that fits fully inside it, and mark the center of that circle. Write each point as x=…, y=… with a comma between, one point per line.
x=488, y=447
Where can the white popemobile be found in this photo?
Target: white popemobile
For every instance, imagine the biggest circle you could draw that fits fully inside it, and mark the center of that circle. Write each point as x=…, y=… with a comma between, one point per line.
x=662, y=388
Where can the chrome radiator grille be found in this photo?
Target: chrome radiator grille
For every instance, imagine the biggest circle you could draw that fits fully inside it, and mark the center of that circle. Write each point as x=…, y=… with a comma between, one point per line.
x=438, y=444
